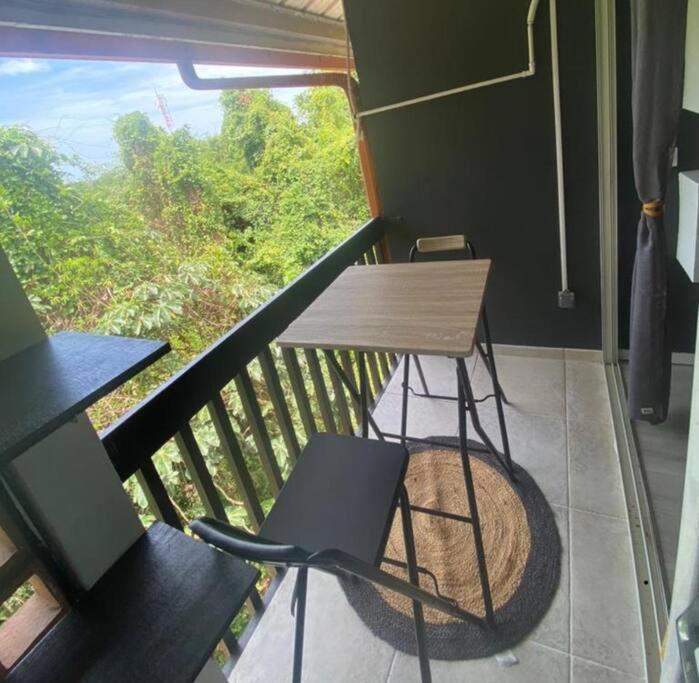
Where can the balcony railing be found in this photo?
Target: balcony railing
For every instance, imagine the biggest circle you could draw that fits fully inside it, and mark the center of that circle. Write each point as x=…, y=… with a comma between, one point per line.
x=315, y=399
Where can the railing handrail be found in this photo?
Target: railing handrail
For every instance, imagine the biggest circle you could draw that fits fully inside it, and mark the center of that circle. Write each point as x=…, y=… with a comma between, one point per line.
x=138, y=434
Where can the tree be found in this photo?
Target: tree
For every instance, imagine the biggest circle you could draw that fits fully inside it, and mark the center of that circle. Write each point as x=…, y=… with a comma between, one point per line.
x=183, y=238
x=317, y=197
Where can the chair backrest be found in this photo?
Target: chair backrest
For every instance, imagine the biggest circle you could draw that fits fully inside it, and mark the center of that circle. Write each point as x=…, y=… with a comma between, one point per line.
x=247, y=546
x=239, y=542
x=426, y=245
x=430, y=245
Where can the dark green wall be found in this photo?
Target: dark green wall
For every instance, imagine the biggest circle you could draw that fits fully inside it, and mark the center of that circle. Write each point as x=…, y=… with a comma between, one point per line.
x=683, y=295
x=483, y=162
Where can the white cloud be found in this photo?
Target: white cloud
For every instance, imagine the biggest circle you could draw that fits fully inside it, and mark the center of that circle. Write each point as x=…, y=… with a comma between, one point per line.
x=76, y=104
x=18, y=67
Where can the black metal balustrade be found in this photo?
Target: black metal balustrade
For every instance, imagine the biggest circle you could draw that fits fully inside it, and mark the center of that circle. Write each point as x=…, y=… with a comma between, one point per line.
x=320, y=401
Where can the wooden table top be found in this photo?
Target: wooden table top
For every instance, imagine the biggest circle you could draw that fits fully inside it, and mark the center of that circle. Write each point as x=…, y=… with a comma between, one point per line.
x=425, y=308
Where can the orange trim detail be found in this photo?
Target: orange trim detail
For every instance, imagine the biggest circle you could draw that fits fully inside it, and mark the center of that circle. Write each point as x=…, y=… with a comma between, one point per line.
x=654, y=209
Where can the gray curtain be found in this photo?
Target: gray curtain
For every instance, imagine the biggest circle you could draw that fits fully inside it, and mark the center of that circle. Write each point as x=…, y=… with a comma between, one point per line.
x=657, y=45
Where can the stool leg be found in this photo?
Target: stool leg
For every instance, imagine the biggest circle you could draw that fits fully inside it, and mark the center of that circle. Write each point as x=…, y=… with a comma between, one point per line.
x=486, y=363
x=421, y=374
x=423, y=657
x=471, y=496
x=364, y=394
x=404, y=412
x=497, y=389
x=301, y=589
x=471, y=407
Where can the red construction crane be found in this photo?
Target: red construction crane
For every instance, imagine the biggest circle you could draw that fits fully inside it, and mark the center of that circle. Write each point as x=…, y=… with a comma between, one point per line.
x=161, y=103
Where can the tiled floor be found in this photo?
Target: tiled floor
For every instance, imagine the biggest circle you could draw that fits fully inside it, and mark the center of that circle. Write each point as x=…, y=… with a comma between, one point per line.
x=663, y=453
x=559, y=426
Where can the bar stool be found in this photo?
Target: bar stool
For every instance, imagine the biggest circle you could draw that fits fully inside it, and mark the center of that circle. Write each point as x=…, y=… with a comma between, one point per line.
x=431, y=245
x=334, y=514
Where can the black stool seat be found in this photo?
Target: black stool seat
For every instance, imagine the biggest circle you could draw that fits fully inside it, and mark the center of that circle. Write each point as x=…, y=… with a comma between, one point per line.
x=334, y=514
x=342, y=494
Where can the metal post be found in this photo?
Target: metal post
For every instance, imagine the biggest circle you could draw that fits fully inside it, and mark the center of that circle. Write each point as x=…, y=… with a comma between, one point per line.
x=418, y=614
x=300, y=597
x=486, y=362
x=470, y=406
x=498, y=391
x=471, y=496
x=363, y=395
x=418, y=366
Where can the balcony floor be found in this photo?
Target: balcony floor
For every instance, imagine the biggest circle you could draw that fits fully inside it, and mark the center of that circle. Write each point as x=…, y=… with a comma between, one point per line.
x=560, y=430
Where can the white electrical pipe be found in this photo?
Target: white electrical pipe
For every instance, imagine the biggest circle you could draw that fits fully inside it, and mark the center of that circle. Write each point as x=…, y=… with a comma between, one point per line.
x=531, y=15
x=530, y=71
x=559, y=144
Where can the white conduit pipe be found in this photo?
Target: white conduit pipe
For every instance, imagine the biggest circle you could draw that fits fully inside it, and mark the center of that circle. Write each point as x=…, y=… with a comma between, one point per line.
x=530, y=71
x=559, y=145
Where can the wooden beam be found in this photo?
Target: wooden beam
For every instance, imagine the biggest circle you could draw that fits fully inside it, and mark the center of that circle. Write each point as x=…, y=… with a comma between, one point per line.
x=233, y=456
x=53, y=44
x=258, y=428
x=224, y=22
x=279, y=403
x=275, y=18
x=156, y=494
x=201, y=477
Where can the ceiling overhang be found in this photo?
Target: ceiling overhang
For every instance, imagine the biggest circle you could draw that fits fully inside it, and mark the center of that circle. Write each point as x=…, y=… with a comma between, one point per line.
x=205, y=31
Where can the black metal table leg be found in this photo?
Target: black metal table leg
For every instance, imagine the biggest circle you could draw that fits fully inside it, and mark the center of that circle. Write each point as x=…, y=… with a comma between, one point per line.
x=484, y=357
x=498, y=394
x=471, y=496
x=464, y=385
x=421, y=374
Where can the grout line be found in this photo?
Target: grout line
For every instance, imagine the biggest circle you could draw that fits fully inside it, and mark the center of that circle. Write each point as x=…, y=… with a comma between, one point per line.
x=570, y=521
x=605, y=666
x=598, y=514
x=587, y=512
x=558, y=505
x=390, y=668
x=584, y=659
x=548, y=647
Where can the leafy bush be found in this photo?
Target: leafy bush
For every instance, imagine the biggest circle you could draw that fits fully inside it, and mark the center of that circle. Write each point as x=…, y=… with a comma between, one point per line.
x=181, y=240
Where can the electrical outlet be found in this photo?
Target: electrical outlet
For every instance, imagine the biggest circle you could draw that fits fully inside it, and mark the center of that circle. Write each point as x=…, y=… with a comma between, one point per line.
x=566, y=299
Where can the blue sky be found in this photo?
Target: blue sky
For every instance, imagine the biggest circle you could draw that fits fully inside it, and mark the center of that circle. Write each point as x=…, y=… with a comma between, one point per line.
x=74, y=103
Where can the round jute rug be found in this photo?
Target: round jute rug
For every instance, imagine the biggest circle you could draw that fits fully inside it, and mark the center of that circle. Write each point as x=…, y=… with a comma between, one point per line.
x=522, y=549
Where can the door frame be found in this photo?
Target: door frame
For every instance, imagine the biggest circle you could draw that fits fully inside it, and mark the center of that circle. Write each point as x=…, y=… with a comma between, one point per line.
x=649, y=578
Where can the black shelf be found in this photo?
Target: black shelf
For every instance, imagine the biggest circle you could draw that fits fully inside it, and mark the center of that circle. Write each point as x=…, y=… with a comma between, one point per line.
x=156, y=615
x=47, y=384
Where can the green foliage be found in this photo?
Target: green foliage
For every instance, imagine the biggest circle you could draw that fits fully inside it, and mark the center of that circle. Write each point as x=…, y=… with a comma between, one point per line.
x=181, y=240
x=249, y=117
